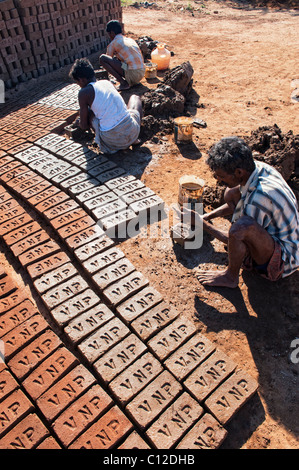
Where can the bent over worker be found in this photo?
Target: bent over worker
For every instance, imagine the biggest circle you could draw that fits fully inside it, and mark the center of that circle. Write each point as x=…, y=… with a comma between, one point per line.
x=116, y=125
x=264, y=234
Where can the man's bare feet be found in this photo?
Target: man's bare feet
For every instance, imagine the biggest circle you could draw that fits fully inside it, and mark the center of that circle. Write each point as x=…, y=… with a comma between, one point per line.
x=217, y=278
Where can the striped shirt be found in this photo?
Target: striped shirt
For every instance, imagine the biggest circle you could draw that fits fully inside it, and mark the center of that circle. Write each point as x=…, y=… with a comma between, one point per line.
x=127, y=51
x=269, y=200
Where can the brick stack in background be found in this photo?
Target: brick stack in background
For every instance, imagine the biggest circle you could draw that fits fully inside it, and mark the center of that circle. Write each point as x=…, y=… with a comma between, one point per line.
x=39, y=38
x=17, y=60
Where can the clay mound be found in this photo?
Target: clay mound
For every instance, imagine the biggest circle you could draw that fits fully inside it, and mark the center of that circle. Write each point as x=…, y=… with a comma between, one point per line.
x=163, y=101
x=180, y=78
x=146, y=44
x=280, y=150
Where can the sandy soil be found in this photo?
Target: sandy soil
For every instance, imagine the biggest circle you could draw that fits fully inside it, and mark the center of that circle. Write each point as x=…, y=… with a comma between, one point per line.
x=244, y=60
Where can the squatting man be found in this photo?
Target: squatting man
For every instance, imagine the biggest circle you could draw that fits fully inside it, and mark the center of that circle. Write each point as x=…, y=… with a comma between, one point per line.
x=264, y=235
x=116, y=125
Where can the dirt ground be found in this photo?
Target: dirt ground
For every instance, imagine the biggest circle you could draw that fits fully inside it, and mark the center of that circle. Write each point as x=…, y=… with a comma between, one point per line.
x=244, y=61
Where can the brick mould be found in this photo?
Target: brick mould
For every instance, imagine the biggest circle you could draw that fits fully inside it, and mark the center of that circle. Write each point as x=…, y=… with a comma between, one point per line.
x=37, y=39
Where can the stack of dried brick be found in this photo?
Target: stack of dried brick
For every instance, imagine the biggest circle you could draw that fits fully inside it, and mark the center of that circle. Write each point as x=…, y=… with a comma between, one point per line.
x=37, y=38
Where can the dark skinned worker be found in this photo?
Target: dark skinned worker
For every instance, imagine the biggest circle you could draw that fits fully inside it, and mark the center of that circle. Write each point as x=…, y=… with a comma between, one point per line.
x=116, y=125
x=264, y=235
x=124, y=58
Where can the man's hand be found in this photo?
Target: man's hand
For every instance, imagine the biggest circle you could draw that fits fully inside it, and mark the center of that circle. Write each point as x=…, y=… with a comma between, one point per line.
x=188, y=216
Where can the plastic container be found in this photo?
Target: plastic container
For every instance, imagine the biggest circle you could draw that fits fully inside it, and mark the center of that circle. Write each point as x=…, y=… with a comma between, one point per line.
x=183, y=129
x=190, y=190
x=150, y=70
x=161, y=56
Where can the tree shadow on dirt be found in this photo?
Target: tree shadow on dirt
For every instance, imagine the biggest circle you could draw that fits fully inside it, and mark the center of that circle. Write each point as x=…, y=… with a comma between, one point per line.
x=270, y=323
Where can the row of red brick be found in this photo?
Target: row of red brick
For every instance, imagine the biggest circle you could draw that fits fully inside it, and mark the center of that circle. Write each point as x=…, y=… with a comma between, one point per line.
x=114, y=333
x=40, y=389
x=39, y=38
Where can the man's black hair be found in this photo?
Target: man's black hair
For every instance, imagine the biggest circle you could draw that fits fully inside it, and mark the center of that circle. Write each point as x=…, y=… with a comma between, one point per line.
x=82, y=68
x=114, y=26
x=229, y=154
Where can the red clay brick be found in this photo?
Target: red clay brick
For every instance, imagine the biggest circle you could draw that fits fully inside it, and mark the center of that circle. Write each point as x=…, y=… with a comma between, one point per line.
x=48, y=264
x=64, y=291
x=207, y=433
x=65, y=391
x=153, y=320
x=16, y=316
x=121, y=290
x=55, y=277
x=13, y=300
x=119, y=358
x=78, y=304
x=14, y=173
x=135, y=377
x=42, y=192
x=61, y=209
x=205, y=378
x=34, y=353
x=23, y=334
x=50, y=201
x=134, y=441
x=189, y=356
x=113, y=273
x=171, y=337
x=153, y=399
x=13, y=409
x=7, y=286
x=102, y=260
x=38, y=185
x=68, y=218
x=49, y=443
x=87, y=322
x=93, y=247
x=83, y=412
x=106, y=432
x=49, y=372
x=7, y=205
x=7, y=384
x=75, y=227
x=11, y=214
x=34, y=240
x=25, y=435
x=84, y=237
x=231, y=395
x=99, y=342
x=14, y=223
x=21, y=233
x=174, y=422
x=139, y=303
x=42, y=251
x=21, y=179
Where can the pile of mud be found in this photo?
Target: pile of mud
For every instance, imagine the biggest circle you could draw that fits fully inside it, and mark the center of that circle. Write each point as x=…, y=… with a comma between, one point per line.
x=279, y=150
x=269, y=145
x=167, y=101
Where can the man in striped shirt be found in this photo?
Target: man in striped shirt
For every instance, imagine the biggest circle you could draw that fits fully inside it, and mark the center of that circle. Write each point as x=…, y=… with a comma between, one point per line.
x=124, y=58
x=264, y=234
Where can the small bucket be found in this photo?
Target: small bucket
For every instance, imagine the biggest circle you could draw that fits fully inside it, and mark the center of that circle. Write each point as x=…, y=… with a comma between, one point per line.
x=190, y=190
x=150, y=70
x=183, y=129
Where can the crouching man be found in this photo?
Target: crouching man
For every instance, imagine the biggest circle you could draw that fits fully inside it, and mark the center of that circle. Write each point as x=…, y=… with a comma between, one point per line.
x=264, y=234
x=116, y=125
